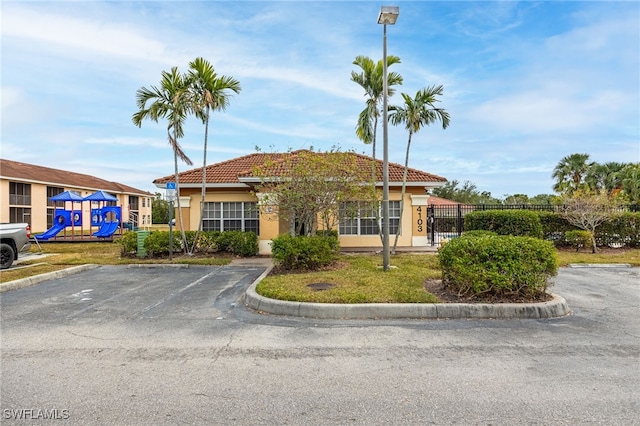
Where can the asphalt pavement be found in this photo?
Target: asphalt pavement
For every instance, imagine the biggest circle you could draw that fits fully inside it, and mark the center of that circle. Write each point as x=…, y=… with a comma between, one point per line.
x=177, y=345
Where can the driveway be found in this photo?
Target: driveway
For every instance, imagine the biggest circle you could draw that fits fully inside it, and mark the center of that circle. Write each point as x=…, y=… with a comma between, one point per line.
x=131, y=345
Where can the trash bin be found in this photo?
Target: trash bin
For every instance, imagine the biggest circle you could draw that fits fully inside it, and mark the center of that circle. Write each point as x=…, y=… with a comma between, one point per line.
x=142, y=235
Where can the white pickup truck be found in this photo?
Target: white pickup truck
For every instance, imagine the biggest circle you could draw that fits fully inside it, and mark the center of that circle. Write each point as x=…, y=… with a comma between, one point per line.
x=14, y=238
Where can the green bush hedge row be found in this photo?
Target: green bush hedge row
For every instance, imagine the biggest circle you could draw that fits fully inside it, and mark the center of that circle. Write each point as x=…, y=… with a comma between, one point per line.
x=497, y=265
x=157, y=242
x=621, y=229
x=505, y=222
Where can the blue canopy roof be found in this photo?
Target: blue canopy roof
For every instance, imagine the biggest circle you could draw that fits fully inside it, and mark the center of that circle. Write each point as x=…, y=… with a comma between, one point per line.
x=100, y=196
x=67, y=196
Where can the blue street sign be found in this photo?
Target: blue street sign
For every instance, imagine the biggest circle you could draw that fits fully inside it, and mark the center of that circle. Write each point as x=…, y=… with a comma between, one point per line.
x=171, y=185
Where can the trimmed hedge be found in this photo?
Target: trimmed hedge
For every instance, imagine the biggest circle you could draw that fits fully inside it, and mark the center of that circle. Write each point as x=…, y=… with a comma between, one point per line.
x=505, y=222
x=304, y=253
x=498, y=265
x=621, y=229
x=157, y=243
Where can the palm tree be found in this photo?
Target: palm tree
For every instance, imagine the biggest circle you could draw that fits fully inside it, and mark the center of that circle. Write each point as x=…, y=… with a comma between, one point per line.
x=208, y=92
x=371, y=79
x=631, y=182
x=416, y=112
x=570, y=173
x=167, y=101
x=605, y=177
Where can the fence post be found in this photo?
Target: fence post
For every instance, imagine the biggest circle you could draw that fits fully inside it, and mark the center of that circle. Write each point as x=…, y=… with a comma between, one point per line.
x=459, y=220
x=431, y=221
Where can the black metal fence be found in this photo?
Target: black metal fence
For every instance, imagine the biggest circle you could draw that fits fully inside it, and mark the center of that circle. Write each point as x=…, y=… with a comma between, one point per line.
x=447, y=221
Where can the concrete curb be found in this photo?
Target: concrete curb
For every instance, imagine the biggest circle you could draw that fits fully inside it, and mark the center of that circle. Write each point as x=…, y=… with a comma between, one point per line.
x=555, y=308
x=36, y=279
x=599, y=265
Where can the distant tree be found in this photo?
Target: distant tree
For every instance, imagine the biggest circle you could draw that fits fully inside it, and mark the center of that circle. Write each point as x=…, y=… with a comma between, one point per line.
x=587, y=210
x=570, y=173
x=168, y=101
x=545, y=199
x=415, y=113
x=160, y=209
x=208, y=92
x=467, y=194
x=517, y=199
x=306, y=187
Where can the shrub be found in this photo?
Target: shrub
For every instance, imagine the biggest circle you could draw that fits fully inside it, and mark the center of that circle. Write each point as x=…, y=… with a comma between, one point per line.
x=477, y=233
x=207, y=241
x=238, y=242
x=157, y=243
x=498, y=265
x=505, y=222
x=304, y=252
x=579, y=238
x=621, y=229
x=554, y=227
x=128, y=243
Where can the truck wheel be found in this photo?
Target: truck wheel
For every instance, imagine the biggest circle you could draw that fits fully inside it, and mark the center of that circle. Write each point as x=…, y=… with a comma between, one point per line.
x=6, y=256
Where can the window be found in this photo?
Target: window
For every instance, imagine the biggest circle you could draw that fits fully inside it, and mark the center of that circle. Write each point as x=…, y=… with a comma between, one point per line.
x=20, y=194
x=359, y=218
x=234, y=216
x=133, y=202
x=19, y=215
x=144, y=202
x=52, y=191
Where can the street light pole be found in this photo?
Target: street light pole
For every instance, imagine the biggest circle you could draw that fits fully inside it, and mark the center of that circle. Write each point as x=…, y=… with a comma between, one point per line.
x=388, y=15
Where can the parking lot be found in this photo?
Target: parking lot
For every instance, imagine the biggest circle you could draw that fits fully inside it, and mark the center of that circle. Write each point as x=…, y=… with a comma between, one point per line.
x=167, y=345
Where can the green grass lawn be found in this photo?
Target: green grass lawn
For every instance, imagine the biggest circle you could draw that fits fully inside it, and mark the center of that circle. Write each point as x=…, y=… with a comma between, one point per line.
x=359, y=279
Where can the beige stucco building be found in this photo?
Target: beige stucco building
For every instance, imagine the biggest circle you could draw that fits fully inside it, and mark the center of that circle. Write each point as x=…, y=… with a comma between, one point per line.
x=231, y=202
x=26, y=189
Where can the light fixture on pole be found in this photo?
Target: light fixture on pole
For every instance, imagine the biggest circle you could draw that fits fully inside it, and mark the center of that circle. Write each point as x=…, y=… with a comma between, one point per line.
x=388, y=16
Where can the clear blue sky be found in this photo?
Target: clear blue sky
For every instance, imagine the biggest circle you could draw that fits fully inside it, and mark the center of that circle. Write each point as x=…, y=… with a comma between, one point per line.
x=526, y=83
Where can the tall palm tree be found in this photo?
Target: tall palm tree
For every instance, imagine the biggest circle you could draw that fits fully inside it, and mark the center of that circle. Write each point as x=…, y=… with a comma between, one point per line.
x=371, y=79
x=208, y=92
x=570, y=173
x=167, y=101
x=416, y=113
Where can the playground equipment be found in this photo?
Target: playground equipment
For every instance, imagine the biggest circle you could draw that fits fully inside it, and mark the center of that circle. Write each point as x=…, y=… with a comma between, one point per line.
x=107, y=218
x=63, y=218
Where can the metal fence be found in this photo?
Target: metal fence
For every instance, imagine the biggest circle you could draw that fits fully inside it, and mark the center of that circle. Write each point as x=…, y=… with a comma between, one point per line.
x=447, y=221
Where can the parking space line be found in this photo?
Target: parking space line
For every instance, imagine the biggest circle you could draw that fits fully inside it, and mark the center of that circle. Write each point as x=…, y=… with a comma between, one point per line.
x=176, y=293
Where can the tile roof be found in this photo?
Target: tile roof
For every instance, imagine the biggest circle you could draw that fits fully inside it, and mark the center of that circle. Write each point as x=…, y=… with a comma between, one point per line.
x=231, y=171
x=46, y=175
x=438, y=201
